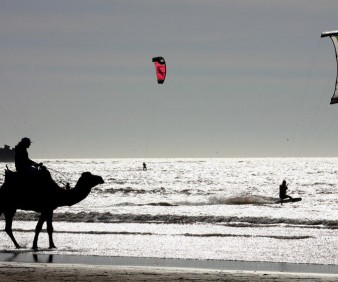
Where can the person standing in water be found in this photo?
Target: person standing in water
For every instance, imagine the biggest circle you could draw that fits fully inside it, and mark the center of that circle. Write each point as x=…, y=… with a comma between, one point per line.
x=144, y=166
x=282, y=192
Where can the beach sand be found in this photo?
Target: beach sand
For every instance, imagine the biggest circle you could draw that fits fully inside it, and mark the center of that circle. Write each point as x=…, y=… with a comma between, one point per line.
x=14, y=271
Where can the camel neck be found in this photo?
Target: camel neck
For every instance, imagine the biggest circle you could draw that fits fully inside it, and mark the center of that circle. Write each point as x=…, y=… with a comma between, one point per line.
x=77, y=194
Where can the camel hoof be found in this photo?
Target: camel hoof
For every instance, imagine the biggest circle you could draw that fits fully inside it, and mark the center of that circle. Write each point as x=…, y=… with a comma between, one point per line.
x=52, y=247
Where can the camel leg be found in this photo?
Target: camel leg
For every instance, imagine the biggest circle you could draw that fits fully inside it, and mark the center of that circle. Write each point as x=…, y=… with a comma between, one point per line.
x=9, y=214
x=38, y=229
x=50, y=229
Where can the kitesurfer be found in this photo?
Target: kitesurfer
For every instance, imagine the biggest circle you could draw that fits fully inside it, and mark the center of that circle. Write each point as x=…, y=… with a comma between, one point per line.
x=23, y=163
x=282, y=192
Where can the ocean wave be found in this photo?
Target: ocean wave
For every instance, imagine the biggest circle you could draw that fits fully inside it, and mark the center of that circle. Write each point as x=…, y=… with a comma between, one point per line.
x=250, y=236
x=320, y=184
x=215, y=200
x=163, y=204
x=242, y=200
x=92, y=232
x=206, y=235
x=130, y=190
x=232, y=221
x=158, y=204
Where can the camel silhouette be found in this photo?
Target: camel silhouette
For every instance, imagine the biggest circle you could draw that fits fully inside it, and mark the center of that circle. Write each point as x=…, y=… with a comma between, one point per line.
x=43, y=196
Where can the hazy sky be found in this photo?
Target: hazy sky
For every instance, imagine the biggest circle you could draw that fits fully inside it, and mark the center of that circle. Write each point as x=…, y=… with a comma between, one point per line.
x=245, y=78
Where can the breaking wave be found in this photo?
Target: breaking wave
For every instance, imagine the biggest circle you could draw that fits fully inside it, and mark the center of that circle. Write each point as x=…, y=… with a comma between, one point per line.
x=159, y=234
x=243, y=200
x=214, y=200
x=233, y=221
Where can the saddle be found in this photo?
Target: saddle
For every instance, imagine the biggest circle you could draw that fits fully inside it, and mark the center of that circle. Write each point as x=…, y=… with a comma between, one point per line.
x=41, y=177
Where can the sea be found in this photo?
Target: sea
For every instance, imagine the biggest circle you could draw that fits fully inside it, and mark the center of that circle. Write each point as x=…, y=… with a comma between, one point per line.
x=199, y=209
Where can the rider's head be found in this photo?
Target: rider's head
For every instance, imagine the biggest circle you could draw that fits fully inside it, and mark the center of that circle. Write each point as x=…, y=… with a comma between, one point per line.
x=26, y=142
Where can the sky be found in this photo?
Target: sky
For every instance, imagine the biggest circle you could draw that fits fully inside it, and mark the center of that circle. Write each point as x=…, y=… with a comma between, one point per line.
x=244, y=78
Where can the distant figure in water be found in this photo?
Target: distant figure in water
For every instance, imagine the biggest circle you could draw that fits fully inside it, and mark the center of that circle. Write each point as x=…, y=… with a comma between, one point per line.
x=282, y=192
x=23, y=163
x=144, y=166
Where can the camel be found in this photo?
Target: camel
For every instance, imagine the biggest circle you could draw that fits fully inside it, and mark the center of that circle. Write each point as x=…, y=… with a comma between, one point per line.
x=43, y=196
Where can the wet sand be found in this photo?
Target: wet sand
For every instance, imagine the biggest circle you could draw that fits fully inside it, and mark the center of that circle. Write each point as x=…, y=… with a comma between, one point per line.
x=35, y=266
x=14, y=271
x=46, y=256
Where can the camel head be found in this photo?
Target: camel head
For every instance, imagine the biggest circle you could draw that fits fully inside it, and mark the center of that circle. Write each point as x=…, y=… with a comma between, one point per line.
x=89, y=180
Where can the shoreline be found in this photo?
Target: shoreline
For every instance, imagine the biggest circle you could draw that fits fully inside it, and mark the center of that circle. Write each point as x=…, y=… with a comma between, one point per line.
x=27, y=272
x=32, y=257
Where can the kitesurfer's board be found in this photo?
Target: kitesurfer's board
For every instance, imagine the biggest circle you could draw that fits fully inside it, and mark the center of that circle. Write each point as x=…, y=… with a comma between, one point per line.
x=290, y=200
